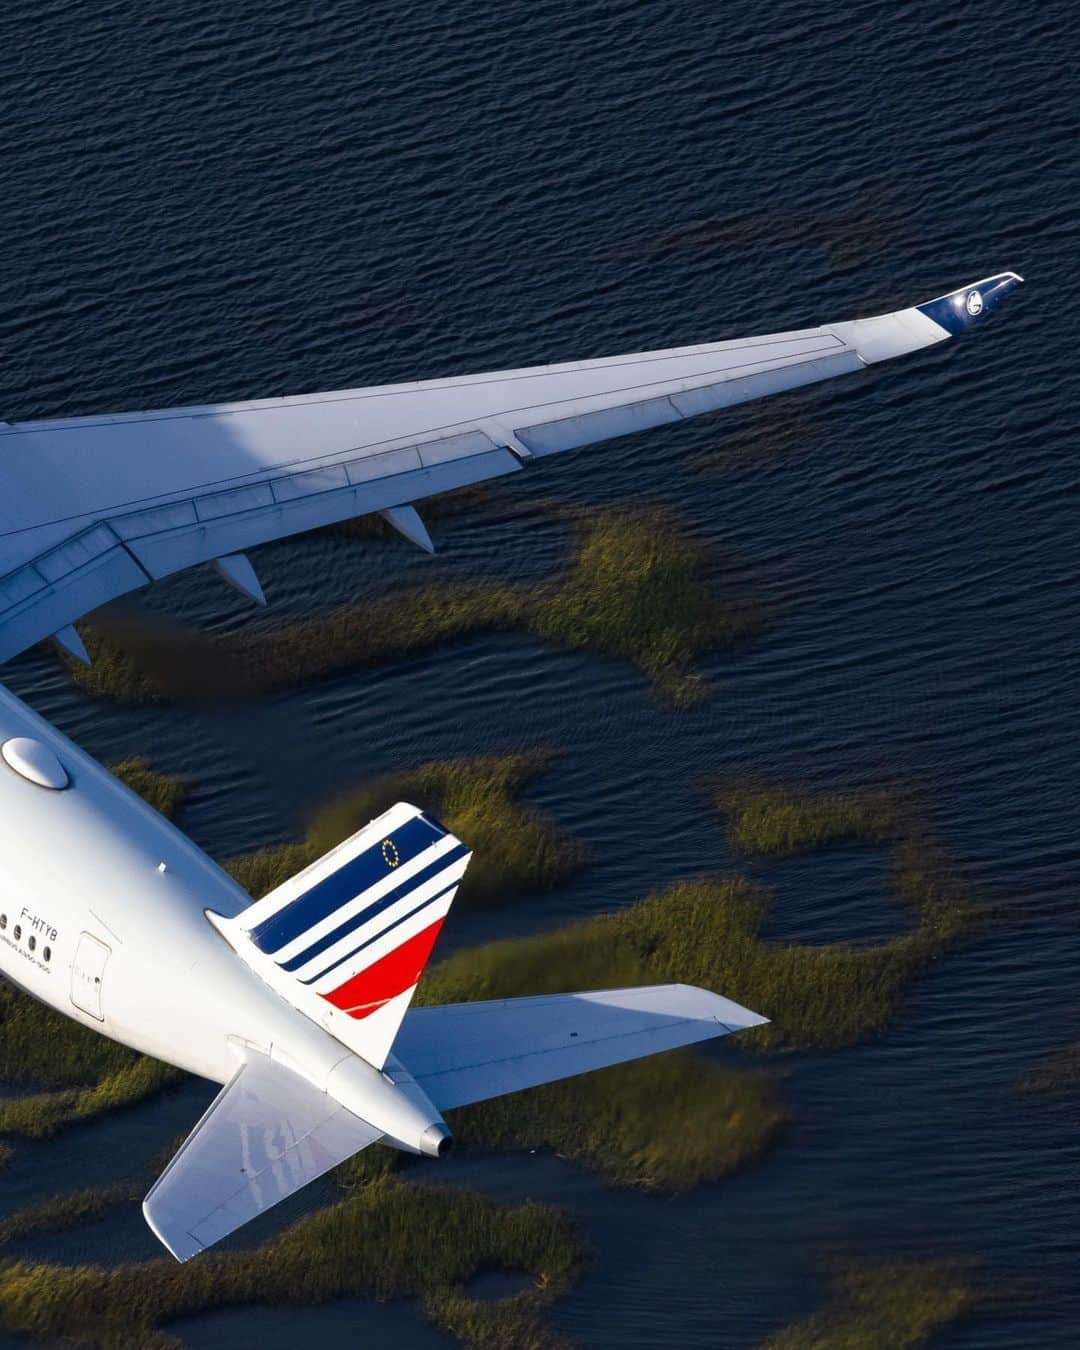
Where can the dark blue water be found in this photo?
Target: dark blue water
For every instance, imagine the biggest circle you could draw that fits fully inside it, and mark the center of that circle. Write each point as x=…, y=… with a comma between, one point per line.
x=202, y=203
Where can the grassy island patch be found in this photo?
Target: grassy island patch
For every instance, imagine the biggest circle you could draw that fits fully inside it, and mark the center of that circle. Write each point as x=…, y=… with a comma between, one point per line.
x=69, y=1209
x=515, y=847
x=890, y=1307
x=705, y=932
x=666, y=1123
x=389, y=1239
x=635, y=588
x=80, y=1073
x=165, y=792
x=780, y=821
x=783, y=820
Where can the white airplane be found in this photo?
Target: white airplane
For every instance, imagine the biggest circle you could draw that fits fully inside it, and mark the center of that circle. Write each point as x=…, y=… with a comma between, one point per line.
x=299, y=1003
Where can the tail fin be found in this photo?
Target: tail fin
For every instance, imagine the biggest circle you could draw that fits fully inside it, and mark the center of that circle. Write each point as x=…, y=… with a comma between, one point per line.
x=345, y=940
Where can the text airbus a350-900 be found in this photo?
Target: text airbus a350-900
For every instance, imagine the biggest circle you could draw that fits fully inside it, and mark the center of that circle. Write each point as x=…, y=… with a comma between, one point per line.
x=299, y=1003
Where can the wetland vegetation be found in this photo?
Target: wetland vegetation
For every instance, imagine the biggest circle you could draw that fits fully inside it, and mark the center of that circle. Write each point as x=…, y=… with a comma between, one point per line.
x=706, y=932
x=778, y=821
x=388, y=1239
x=635, y=588
x=667, y=1123
x=897, y=1306
x=165, y=792
x=69, y=1209
x=515, y=846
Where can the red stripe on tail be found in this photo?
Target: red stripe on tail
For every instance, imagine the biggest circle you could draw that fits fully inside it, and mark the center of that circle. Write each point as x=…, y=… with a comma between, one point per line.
x=384, y=979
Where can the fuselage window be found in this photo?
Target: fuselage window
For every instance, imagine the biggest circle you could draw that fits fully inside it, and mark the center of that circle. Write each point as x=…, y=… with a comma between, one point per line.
x=31, y=943
x=16, y=932
x=47, y=953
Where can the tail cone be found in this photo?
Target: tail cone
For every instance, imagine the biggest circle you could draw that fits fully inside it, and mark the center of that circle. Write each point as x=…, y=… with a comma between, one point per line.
x=436, y=1141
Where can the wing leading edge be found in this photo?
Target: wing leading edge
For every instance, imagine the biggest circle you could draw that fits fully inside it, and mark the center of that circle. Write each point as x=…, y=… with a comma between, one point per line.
x=95, y=507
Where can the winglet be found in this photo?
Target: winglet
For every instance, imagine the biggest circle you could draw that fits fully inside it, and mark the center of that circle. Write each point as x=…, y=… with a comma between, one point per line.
x=959, y=310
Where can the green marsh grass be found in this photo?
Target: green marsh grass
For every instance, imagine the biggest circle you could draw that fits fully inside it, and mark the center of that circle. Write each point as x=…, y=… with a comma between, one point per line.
x=635, y=588
x=515, y=847
x=890, y=1307
x=43, y=1049
x=666, y=1123
x=165, y=792
x=69, y=1209
x=43, y=1113
x=387, y=1240
x=779, y=821
x=78, y=1073
x=705, y=932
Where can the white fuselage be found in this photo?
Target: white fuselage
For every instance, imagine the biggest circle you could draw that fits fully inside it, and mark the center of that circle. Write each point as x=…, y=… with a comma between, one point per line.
x=102, y=917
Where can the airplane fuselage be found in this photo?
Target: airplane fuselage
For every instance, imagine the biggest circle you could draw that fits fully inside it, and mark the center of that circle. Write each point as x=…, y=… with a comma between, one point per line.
x=103, y=917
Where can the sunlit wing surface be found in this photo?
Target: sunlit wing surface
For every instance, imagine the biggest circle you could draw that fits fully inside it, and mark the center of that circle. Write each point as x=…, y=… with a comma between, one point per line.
x=96, y=507
x=468, y=1052
x=267, y=1133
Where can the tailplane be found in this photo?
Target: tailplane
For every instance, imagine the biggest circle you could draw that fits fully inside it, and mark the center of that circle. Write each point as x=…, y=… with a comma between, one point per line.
x=346, y=940
x=266, y=1134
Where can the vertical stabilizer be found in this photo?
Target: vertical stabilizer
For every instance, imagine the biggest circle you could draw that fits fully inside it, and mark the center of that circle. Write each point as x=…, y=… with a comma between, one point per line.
x=345, y=941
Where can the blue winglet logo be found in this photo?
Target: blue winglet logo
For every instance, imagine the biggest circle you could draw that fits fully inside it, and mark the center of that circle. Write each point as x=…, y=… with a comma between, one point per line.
x=957, y=311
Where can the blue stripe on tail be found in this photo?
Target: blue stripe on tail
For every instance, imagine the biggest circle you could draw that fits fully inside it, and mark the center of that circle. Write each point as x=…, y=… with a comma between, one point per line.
x=351, y=880
x=343, y=960
x=384, y=902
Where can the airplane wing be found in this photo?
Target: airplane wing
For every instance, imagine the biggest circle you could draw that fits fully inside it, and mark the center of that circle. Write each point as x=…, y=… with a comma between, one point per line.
x=468, y=1052
x=95, y=507
x=266, y=1134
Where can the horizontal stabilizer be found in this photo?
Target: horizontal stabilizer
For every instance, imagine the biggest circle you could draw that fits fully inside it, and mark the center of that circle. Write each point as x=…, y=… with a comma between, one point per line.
x=266, y=1134
x=345, y=940
x=468, y=1052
